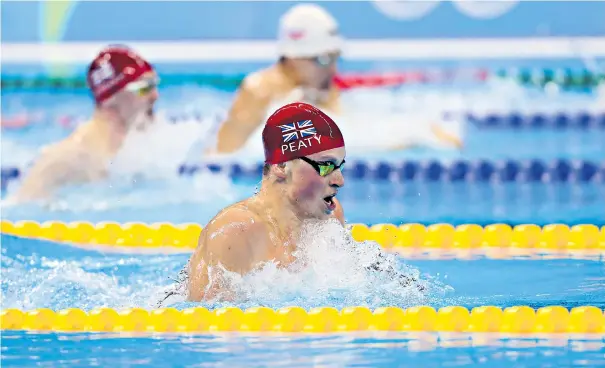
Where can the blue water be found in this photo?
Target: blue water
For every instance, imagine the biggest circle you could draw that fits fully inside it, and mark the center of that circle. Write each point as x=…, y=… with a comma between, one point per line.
x=82, y=278
x=388, y=350
x=180, y=201
x=480, y=143
x=184, y=199
x=42, y=274
x=39, y=274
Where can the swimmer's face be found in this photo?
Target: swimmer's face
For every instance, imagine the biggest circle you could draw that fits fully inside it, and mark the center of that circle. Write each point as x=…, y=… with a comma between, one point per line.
x=138, y=99
x=313, y=192
x=317, y=72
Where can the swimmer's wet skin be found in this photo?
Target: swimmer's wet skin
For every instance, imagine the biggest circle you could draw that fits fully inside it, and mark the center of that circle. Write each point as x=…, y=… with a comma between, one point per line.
x=325, y=168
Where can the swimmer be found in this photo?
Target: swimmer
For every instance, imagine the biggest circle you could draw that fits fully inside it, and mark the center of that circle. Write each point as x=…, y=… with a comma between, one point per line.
x=309, y=46
x=123, y=85
x=304, y=155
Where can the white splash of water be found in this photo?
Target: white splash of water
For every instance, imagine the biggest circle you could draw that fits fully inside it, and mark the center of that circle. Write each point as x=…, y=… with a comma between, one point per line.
x=34, y=281
x=331, y=269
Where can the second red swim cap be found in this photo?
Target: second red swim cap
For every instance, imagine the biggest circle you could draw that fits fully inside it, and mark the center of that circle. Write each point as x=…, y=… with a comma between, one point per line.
x=299, y=129
x=112, y=69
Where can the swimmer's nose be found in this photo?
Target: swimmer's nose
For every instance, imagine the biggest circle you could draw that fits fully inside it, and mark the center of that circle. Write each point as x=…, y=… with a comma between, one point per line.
x=333, y=68
x=337, y=179
x=155, y=94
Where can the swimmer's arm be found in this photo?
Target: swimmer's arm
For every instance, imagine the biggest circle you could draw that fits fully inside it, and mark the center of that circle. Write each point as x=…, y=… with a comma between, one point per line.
x=246, y=114
x=47, y=174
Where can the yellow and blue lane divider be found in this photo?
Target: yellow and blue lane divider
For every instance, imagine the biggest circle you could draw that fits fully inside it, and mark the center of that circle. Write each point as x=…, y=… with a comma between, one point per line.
x=485, y=319
x=411, y=235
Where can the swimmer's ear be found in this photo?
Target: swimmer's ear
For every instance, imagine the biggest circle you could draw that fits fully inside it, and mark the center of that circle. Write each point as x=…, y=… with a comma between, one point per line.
x=280, y=171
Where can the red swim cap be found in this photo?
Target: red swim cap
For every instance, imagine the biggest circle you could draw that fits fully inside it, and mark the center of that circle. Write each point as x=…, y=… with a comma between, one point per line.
x=113, y=69
x=299, y=129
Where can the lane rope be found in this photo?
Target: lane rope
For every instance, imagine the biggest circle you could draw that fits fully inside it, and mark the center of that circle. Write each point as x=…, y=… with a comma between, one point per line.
x=433, y=170
x=519, y=120
x=564, y=77
x=436, y=236
x=490, y=119
x=484, y=319
x=557, y=171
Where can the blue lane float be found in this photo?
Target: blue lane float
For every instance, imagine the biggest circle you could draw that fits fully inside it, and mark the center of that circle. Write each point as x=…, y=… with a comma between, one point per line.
x=566, y=171
x=580, y=120
x=515, y=120
x=456, y=171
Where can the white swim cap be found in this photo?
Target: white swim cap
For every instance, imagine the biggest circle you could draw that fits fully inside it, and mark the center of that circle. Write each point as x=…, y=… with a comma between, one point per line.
x=307, y=30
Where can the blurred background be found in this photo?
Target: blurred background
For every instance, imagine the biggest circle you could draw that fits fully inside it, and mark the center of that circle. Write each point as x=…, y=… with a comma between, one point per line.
x=453, y=111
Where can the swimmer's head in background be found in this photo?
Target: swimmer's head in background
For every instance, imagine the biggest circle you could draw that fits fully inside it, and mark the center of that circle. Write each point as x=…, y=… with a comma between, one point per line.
x=113, y=70
x=308, y=36
x=302, y=133
x=121, y=77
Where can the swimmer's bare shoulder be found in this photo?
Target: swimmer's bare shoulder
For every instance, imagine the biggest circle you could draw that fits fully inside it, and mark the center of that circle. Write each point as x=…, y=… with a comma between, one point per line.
x=236, y=238
x=271, y=82
x=252, y=100
x=56, y=165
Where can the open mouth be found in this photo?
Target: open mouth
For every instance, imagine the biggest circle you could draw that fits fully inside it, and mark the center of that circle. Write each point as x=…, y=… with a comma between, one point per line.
x=329, y=200
x=150, y=111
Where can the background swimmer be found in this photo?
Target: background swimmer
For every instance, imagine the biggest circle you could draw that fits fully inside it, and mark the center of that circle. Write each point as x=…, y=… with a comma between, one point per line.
x=123, y=85
x=300, y=182
x=309, y=46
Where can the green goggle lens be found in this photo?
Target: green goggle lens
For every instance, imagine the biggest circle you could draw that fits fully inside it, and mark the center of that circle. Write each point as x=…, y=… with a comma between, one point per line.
x=327, y=168
x=146, y=90
x=143, y=87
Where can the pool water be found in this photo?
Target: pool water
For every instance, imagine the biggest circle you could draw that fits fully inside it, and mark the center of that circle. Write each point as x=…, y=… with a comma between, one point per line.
x=186, y=200
x=198, y=198
x=84, y=350
x=38, y=274
x=41, y=274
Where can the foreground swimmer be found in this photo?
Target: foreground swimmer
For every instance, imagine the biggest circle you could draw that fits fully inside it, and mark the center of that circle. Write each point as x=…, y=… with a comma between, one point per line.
x=304, y=154
x=309, y=47
x=124, y=88
x=304, y=151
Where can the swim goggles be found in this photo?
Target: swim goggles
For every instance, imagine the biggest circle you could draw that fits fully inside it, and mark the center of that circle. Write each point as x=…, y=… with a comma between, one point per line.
x=326, y=60
x=144, y=86
x=323, y=168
